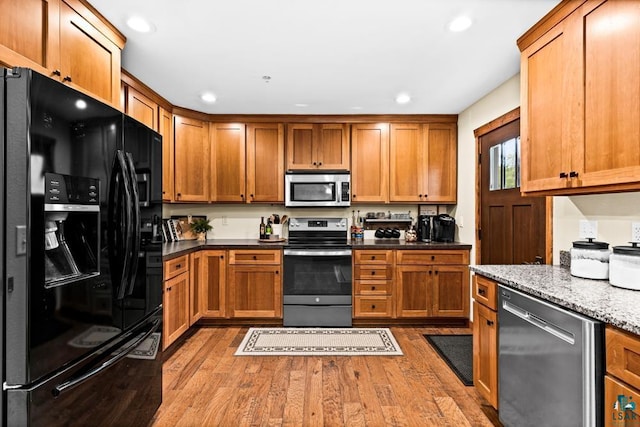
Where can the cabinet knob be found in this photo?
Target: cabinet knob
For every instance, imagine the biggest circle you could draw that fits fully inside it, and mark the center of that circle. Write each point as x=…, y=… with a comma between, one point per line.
x=489, y=322
x=315, y=164
x=251, y=195
x=433, y=257
x=242, y=196
x=373, y=307
x=563, y=175
x=373, y=257
x=373, y=273
x=255, y=257
x=481, y=291
x=277, y=272
x=178, y=265
x=221, y=256
x=56, y=72
x=420, y=195
x=353, y=196
x=320, y=164
x=573, y=174
x=67, y=78
x=430, y=272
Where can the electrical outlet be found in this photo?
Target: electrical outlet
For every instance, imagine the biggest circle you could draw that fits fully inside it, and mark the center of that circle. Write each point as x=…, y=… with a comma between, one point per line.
x=588, y=229
x=224, y=220
x=635, y=232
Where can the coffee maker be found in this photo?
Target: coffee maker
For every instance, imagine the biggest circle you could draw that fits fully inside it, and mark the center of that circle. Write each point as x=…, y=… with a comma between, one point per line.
x=444, y=228
x=424, y=228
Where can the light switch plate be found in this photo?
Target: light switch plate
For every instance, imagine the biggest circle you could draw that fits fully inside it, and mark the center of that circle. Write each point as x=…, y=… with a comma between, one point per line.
x=635, y=232
x=588, y=229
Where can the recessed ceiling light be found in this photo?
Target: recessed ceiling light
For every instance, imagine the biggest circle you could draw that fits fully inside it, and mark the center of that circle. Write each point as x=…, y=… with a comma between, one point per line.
x=208, y=97
x=403, y=98
x=460, y=23
x=140, y=24
x=301, y=105
x=81, y=104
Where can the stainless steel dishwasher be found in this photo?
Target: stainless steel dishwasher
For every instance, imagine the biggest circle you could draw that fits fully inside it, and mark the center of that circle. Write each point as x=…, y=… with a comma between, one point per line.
x=550, y=364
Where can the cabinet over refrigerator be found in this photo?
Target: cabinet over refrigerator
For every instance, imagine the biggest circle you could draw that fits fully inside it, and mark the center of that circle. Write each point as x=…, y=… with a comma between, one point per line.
x=81, y=308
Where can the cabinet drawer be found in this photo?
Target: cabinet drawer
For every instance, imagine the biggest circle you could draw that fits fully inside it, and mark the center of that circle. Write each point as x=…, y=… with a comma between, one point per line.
x=432, y=257
x=372, y=287
x=381, y=272
x=485, y=291
x=372, y=306
x=618, y=392
x=623, y=355
x=175, y=266
x=373, y=257
x=255, y=257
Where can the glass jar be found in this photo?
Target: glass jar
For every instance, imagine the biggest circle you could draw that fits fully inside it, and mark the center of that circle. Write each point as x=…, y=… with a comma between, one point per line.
x=590, y=259
x=625, y=267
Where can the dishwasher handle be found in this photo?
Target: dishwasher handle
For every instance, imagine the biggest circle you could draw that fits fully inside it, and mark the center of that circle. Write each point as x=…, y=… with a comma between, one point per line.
x=539, y=322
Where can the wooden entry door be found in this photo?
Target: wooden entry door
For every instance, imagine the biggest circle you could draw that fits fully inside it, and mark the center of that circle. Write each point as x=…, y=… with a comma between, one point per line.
x=513, y=229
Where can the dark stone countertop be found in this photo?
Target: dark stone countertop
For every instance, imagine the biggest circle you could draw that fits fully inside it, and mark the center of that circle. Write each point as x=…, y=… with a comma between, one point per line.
x=175, y=249
x=593, y=298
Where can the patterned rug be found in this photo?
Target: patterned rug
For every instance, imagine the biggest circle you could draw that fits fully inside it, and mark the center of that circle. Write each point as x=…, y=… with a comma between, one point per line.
x=319, y=342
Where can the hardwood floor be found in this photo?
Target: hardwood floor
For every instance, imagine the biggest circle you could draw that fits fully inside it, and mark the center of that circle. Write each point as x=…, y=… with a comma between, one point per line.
x=206, y=385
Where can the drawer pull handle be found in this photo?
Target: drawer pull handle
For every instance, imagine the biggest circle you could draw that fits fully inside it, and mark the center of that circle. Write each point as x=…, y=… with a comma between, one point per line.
x=373, y=288
x=373, y=257
x=433, y=257
x=489, y=322
x=178, y=265
x=564, y=175
x=481, y=292
x=67, y=79
x=373, y=273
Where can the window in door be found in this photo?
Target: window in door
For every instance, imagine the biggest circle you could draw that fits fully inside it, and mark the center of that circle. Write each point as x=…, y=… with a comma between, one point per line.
x=504, y=165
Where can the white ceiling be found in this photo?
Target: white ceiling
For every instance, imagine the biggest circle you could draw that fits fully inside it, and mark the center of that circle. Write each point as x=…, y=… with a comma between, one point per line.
x=336, y=56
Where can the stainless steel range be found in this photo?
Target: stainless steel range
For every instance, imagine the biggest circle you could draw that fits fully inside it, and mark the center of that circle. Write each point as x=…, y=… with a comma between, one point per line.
x=317, y=273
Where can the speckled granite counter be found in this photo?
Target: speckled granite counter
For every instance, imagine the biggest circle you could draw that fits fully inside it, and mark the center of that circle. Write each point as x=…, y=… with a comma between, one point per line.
x=172, y=250
x=594, y=298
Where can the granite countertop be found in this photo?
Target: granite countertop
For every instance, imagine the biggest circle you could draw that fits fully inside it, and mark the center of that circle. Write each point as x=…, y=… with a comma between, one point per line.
x=593, y=298
x=175, y=249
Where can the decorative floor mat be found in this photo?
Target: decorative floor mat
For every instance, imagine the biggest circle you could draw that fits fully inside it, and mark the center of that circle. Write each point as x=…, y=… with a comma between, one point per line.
x=319, y=342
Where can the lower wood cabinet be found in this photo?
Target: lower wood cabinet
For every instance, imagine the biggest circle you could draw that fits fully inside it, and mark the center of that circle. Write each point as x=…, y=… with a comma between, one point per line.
x=175, y=300
x=373, y=284
x=485, y=338
x=622, y=380
x=208, y=285
x=255, y=284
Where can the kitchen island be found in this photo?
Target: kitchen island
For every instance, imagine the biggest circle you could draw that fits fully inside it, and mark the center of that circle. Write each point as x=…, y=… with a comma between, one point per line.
x=593, y=298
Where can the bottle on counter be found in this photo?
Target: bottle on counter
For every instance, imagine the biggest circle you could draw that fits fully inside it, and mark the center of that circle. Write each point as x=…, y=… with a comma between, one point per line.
x=268, y=231
x=262, y=229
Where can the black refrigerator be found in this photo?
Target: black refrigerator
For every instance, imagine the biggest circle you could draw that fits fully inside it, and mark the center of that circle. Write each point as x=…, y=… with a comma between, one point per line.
x=81, y=263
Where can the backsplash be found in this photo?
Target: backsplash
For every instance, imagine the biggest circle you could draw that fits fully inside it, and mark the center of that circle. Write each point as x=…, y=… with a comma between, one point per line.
x=565, y=259
x=241, y=221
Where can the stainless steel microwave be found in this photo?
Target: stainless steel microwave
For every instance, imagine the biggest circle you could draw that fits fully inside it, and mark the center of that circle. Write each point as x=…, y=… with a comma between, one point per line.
x=317, y=189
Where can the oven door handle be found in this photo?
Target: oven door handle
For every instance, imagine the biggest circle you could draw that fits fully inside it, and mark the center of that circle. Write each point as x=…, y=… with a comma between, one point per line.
x=317, y=252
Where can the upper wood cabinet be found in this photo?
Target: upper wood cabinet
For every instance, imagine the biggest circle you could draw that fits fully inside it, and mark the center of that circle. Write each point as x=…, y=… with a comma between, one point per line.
x=141, y=108
x=370, y=162
x=65, y=40
x=317, y=146
x=191, y=160
x=265, y=162
x=580, y=121
x=423, y=165
x=165, y=128
x=228, y=154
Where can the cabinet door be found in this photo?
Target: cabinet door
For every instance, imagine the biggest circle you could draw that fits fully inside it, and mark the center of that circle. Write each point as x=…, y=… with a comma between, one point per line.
x=332, y=146
x=449, y=291
x=228, y=152
x=265, y=162
x=550, y=96
x=255, y=291
x=196, y=278
x=617, y=395
x=165, y=128
x=141, y=108
x=300, y=146
x=611, y=153
x=440, y=156
x=412, y=291
x=405, y=158
x=29, y=34
x=89, y=61
x=191, y=158
x=370, y=162
x=176, y=308
x=213, y=284
x=485, y=353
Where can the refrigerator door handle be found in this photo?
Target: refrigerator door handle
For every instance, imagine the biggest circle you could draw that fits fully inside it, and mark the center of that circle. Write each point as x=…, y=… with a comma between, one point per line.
x=135, y=218
x=85, y=375
x=118, y=255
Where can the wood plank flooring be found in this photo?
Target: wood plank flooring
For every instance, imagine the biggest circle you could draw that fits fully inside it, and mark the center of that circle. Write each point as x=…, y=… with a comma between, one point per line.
x=204, y=384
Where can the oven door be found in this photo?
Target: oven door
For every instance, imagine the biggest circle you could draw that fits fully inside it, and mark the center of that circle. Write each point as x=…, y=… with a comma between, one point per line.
x=317, y=276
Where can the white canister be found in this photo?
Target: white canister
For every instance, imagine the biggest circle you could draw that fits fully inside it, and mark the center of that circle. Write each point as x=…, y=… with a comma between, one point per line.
x=590, y=259
x=624, y=268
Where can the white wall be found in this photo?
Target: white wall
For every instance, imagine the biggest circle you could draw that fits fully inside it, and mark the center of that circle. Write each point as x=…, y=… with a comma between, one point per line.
x=613, y=212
